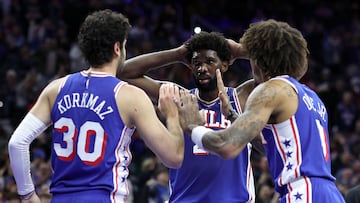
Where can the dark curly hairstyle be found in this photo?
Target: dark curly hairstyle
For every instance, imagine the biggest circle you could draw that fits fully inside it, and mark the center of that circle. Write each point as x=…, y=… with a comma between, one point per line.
x=214, y=41
x=277, y=48
x=98, y=34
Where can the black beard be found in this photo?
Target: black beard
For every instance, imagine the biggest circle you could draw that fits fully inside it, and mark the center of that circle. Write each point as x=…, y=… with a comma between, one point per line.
x=210, y=86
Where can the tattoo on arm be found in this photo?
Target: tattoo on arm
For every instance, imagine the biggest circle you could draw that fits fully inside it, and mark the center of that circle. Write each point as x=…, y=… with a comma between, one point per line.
x=264, y=98
x=248, y=125
x=215, y=141
x=246, y=128
x=289, y=91
x=241, y=133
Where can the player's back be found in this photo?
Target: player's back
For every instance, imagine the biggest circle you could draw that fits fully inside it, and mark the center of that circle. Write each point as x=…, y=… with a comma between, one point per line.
x=293, y=140
x=90, y=151
x=298, y=151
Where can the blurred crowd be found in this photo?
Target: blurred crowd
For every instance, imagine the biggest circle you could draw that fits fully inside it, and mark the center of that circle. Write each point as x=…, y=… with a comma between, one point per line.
x=38, y=44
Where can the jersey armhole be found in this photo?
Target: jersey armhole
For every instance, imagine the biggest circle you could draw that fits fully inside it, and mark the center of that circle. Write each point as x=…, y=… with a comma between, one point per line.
x=118, y=87
x=116, y=92
x=62, y=83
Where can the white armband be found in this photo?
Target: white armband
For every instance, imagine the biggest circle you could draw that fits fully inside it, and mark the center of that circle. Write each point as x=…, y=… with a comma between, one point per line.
x=19, y=144
x=197, y=134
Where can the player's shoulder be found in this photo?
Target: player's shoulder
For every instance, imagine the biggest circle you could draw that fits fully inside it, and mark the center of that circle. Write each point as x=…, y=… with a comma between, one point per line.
x=55, y=85
x=130, y=93
x=245, y=88
x=129, y=88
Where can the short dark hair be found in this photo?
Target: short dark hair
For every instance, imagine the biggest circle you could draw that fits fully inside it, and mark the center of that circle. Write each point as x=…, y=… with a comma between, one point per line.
x=98, y=34
x=214, y=41
x=278, y=48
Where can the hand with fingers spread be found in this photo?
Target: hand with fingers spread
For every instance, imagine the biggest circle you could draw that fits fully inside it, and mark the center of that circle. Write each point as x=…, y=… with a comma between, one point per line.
x=226, y=108
x=190, y=116
x=168, y=94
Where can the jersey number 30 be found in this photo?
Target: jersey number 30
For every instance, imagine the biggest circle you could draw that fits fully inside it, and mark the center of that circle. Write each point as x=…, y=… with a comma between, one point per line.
x=79, y=142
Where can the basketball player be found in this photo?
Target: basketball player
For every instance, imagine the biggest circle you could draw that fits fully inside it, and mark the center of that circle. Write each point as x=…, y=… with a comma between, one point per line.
x=203, y=177
x=292, y=119
x=93, y=115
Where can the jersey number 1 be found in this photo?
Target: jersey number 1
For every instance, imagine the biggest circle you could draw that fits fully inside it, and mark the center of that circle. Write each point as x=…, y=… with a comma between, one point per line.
x=323, y=140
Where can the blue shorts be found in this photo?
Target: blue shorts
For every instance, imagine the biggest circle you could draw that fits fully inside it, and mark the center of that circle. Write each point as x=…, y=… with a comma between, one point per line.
x=312, y=190
x=91, y=196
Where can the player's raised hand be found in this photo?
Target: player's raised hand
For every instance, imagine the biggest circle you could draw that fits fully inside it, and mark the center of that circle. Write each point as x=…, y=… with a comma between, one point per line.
x=181, y=51
x=168, y=93
x=224, y=99
x=190, y=116
x=237, y=51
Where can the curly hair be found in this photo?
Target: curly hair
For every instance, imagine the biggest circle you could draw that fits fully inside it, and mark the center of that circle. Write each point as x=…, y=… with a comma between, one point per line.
x=214, y=41
x=98, y=34
x=277, y=48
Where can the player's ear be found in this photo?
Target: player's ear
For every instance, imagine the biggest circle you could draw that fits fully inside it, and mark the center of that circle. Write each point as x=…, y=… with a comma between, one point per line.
x=117, y=48
x=224, y=66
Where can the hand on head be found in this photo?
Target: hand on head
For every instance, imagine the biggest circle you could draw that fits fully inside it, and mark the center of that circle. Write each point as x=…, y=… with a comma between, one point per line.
x=237, y=51
x=181, y=51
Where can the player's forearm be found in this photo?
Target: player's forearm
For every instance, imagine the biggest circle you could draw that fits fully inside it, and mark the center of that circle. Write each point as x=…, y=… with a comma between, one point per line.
x=216, y=144
x=224, y=143
x=139, y=65
x=29, y=128
x=175, y=129
x=20, y=163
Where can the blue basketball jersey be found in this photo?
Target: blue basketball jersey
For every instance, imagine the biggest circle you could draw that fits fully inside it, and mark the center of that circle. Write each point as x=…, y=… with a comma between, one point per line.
x=298, y=150
x=205, y=177
x=90, y=152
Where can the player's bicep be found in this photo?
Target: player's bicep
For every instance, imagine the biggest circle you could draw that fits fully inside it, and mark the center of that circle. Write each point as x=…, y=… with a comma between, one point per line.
x=262, y=102
x=137, y=110
x=149, y=85
x=43, y=105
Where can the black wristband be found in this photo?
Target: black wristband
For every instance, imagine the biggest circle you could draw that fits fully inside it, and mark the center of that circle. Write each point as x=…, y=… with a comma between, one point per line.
x=27, y=196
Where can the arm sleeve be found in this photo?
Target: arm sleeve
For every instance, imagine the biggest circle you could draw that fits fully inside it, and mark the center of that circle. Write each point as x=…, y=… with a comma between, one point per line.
x=19, y=144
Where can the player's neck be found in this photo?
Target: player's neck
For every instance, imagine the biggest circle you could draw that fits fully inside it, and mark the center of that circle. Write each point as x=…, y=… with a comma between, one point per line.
x=106, y=68
x=208, y=95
